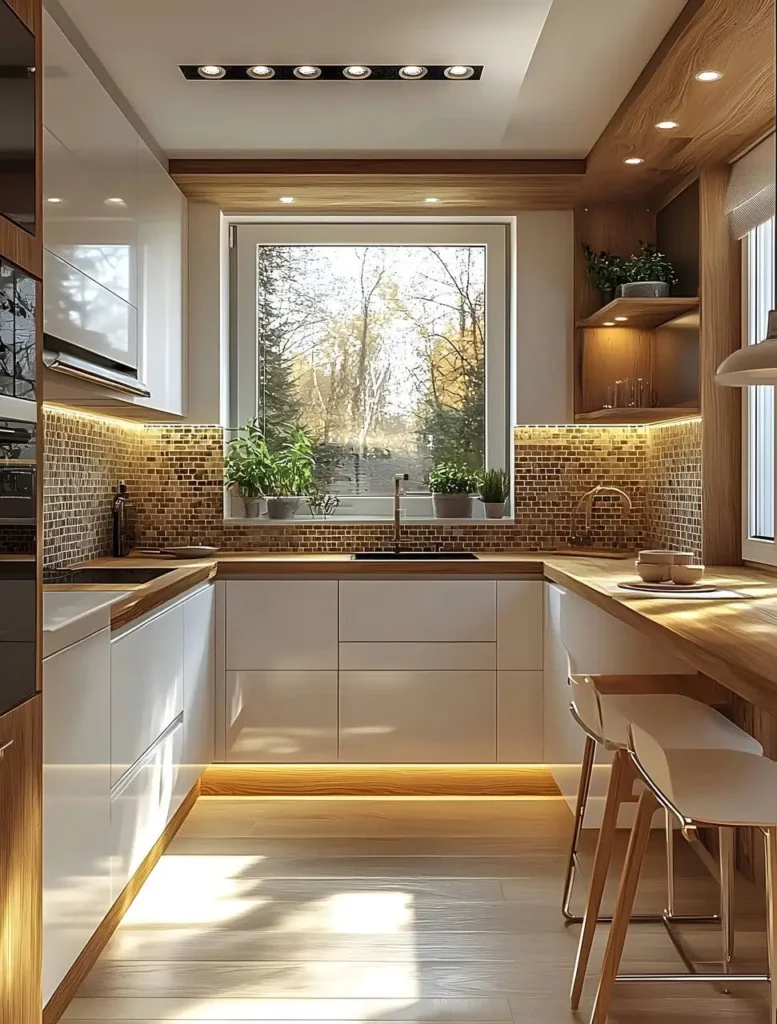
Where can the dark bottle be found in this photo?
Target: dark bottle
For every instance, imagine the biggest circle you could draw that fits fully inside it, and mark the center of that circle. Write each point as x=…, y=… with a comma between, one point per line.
x=123, y=520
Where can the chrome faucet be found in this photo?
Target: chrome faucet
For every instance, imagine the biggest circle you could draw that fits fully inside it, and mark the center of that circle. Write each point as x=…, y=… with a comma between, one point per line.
x=399, y=479
x=587, y=503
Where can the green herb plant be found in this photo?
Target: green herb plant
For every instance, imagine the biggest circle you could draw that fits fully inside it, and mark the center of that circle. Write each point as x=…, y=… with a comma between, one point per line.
x=281, y=469
x=452, y=478
x=605, y=270
x=322, y=504
x=649, y=265
x=494, y=487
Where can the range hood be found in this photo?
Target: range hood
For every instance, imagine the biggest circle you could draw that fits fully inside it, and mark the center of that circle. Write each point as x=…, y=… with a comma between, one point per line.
x=85, y=366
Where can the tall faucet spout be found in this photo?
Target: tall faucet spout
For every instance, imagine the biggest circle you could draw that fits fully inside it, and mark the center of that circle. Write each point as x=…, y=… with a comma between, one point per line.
x=399, y=479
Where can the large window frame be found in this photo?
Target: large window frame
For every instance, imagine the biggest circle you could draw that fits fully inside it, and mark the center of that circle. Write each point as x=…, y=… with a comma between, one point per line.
x=494, y=234
x=759, y=409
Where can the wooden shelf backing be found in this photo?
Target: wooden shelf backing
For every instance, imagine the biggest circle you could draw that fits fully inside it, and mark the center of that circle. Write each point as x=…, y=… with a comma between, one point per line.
x=643, y=314
x=629, y=415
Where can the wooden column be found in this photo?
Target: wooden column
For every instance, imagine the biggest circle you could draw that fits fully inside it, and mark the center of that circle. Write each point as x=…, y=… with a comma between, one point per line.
x=721, y=407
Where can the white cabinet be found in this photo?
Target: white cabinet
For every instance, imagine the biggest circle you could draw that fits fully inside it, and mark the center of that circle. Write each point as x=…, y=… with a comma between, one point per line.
x=387, y=656
x=418, y=717
x=282, y=717
x=146, y=685
x=281, y=625
x=519, y=718
x=519, y=625
x=199, y=670
x=76, y=801
x=143, y=803
x=430, y=611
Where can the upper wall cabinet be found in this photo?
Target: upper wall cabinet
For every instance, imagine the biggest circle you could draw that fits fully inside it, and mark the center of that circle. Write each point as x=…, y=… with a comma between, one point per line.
x=114, y=232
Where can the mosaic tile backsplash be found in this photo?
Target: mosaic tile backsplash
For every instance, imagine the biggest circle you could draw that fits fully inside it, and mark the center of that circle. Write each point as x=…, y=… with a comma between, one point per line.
x=174, y=475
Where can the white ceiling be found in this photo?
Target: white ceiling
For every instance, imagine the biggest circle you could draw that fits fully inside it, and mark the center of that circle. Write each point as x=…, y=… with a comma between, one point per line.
x=555, y=72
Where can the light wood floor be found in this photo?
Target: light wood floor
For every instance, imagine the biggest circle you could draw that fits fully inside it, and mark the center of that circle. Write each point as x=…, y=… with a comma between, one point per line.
x=388, y=909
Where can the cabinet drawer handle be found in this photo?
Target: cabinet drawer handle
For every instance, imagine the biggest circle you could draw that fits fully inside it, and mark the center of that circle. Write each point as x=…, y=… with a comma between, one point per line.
x=5, y=747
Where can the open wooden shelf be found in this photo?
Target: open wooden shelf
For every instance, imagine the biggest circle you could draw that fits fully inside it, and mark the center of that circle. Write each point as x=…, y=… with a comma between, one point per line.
x=629, y=415
x=643, y=314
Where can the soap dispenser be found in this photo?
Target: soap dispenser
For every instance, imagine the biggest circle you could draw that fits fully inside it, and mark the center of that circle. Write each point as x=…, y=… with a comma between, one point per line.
x=123, y=520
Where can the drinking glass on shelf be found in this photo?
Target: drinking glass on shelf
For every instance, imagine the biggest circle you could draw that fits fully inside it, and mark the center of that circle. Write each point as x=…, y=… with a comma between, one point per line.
x=623, y=393
x=609, y=397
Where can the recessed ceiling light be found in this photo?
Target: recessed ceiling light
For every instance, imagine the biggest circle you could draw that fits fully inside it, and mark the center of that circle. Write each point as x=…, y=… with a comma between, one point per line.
x=633, y=160
x=459, y=71
x=621, y=319
x=53, y=199
x=357, y=71
x=114, y=201
x=412, y=71
x=261, y=71
x=211, y=71
x=431, y=199
x=709, y=76
x=307, y=71
x=666, y=126
x=286, y=199
x=608, y=323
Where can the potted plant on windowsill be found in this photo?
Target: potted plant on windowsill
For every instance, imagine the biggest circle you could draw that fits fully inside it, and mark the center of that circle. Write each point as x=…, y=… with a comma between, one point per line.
x=606, y=271
x=648, y=274
x=246, y=467
x=291, y=472
x=494, y=492
x=451, y=484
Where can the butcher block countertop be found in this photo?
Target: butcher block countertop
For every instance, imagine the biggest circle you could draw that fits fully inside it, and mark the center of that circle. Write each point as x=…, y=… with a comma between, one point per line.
x=733, y=641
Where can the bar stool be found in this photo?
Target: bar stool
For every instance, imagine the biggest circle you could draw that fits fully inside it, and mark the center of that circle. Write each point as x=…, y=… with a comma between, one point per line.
x=679, y=722
x=700, y=786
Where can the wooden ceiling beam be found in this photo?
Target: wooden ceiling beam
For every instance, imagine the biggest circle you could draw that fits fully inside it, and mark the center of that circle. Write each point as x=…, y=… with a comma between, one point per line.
x=370, y=167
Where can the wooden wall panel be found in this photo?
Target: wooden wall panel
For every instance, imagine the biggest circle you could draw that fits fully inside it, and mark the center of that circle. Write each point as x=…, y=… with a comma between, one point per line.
x=720, y=335
x=29, y=11
x=21, y=864
x=677, y=235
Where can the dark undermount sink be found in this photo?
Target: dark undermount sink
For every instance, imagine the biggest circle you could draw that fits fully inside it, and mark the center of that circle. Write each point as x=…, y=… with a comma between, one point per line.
x=130, y=576
x=414, y=556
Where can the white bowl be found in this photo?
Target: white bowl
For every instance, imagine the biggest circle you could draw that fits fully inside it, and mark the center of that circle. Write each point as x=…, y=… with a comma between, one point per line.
x=685, y=575
x=652, y=572
x=667, y=557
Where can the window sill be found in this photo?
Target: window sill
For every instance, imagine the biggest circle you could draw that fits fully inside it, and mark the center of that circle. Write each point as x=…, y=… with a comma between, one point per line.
x=356, y=520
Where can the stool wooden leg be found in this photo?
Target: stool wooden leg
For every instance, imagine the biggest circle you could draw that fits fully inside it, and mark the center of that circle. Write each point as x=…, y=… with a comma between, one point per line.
x=621, y=781
x=771, y=911
x=627, y=892
x=586, y=771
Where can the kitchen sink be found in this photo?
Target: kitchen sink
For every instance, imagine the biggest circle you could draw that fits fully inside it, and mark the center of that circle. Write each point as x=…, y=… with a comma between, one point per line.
x=129, y=576
x=415, y=556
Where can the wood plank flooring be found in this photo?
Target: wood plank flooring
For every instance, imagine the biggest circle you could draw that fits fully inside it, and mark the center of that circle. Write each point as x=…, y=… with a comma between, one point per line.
x=402, y=910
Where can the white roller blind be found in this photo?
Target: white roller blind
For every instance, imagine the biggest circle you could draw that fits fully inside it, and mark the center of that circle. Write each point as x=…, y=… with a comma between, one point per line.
x=750, y=195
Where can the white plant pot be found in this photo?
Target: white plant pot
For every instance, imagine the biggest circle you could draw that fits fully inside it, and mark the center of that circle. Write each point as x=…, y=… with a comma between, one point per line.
x=643, y=290
x=252, y=507
x=282, y=508
x=494, y=509
x=452, y=506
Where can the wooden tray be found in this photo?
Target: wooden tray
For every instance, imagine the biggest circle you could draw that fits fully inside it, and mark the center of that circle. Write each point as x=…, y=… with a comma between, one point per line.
x=667, y=587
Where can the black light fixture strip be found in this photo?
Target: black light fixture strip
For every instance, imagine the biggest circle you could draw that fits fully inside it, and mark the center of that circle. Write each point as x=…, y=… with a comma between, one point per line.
x=329, y=73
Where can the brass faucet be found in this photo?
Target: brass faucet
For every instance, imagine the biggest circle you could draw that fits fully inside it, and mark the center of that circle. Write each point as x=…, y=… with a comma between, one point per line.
x=399, y=478
x=587, y=501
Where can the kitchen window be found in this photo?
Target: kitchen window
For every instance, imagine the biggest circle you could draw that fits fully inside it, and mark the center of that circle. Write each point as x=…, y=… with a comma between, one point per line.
x=760, y=423
x=386, y=342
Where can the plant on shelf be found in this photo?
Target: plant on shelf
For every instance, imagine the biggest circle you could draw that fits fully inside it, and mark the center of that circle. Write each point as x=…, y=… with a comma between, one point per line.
x=322, y=504
x=648, y=274
x=606, y=272
x=281, y=471
x=494, y=492
x=451, y=484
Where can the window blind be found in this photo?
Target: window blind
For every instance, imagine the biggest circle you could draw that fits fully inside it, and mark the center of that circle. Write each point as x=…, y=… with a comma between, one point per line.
x=750, y=194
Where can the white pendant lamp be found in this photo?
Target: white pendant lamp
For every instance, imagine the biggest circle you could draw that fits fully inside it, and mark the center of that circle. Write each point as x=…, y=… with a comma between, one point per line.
x=755, y=364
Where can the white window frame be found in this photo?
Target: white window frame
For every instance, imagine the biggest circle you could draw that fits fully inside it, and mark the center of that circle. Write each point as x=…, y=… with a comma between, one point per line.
x=495, y=234
x=754, y=295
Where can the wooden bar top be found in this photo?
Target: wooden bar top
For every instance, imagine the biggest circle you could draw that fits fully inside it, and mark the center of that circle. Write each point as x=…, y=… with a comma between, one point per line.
x=734, y=641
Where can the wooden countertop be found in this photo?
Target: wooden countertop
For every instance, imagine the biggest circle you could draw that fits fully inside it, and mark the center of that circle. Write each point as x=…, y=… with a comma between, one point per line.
x=734, y=642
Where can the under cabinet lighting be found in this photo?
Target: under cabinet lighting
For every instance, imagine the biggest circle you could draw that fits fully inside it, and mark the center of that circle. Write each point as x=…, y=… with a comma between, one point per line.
x=634, y=160
x=211, y=71
x=431, y=199
x=666, y=126
x=286, y=199
x=412, y=71
x=115, y=201
x=357, y=71
x=608, y=323
x=54, y=199
x=261, y=72
x=621, y=319
x=307, y=71
x=709, y=76
x=459, y=71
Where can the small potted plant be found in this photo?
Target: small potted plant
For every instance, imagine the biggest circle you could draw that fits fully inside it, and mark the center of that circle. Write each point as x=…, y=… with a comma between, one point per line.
x=606, y=271
x=451, y=484
x=494, y=492
x=247, y=467
x=648, y=274
x=291, y=473
x=322, y=504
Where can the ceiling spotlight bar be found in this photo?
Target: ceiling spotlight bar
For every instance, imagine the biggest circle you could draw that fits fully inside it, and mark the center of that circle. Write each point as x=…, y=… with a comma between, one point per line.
x=332, y=72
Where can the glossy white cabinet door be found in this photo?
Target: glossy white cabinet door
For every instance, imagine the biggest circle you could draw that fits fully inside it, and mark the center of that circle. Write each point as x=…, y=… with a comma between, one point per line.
x=141, y=808
x=418, y=717
x=429, y=611
x=519, y=624
x=76, y=801
x=382, y=656
x=199, y=673
x=281, y=625
x=161, y=241
x=146, y=686
x=282, y=717
x=519, y=717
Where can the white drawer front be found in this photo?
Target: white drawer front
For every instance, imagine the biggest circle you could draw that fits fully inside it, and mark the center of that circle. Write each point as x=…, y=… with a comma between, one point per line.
x=519, y=624
x=424, y=611
x=519, y=718
x=418, y=717
x=282, y=717
x=146, y=686
x=281, y=625
x=382, y=657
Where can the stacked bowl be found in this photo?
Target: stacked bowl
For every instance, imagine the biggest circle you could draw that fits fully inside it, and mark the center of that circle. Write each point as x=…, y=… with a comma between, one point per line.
x=679, y=567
